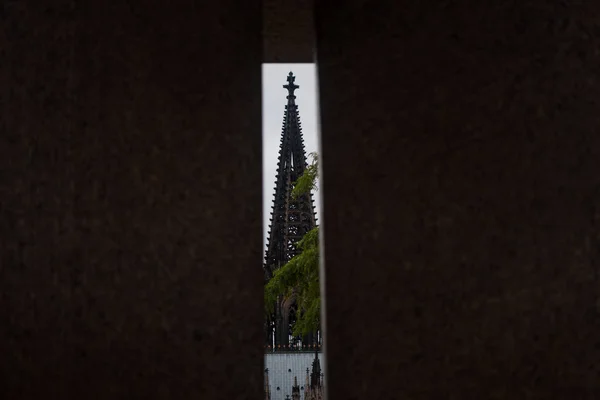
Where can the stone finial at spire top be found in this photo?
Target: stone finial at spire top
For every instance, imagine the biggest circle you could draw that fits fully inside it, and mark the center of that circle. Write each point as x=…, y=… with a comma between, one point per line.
x=291, y=86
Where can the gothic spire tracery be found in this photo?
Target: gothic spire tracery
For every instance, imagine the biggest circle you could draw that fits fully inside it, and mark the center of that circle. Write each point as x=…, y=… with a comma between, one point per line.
x=291, y=218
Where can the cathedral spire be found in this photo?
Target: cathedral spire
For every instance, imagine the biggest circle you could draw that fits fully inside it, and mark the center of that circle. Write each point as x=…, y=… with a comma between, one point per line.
x=315, y=377
x=291, y=217
x=307, y=385
x=291, y=87
x=296, y=389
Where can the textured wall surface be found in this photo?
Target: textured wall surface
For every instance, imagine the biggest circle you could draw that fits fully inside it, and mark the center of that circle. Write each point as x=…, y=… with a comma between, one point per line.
x=130, y=200
x=460, y=173
x=288, y=31
x=460, y=163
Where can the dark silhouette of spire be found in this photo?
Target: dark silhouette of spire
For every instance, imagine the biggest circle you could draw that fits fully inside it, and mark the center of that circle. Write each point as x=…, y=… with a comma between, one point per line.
x=296, y=390
x=291, y=87
x=315, y=376
x=291, y=218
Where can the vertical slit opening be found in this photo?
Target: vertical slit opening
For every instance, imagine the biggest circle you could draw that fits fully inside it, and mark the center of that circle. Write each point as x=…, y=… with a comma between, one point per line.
x=291, y=238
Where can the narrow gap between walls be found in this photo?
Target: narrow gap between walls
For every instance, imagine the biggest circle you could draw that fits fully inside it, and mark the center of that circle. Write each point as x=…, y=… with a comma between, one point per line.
x=291, y=241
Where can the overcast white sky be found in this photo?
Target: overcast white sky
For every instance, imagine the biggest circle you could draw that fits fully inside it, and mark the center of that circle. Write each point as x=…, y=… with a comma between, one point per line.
x=273, y=105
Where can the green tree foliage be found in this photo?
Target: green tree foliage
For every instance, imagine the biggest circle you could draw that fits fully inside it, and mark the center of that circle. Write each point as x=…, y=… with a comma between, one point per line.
x=307, y=182
x=299, y=279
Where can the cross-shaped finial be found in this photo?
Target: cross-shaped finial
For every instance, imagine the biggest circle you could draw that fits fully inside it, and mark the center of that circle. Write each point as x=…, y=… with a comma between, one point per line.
x=291, y=86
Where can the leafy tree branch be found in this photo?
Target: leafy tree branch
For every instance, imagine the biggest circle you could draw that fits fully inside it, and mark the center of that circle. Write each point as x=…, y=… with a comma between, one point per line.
x=299, y=278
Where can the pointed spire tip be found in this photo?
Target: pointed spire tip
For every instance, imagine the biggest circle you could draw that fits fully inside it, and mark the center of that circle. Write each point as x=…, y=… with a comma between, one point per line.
x=291, y=86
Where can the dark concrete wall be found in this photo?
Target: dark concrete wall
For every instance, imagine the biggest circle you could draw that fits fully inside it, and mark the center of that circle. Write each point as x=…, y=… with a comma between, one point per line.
x=460, y=172
x=288, y=31
x=460, y=162
x=130, y=209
